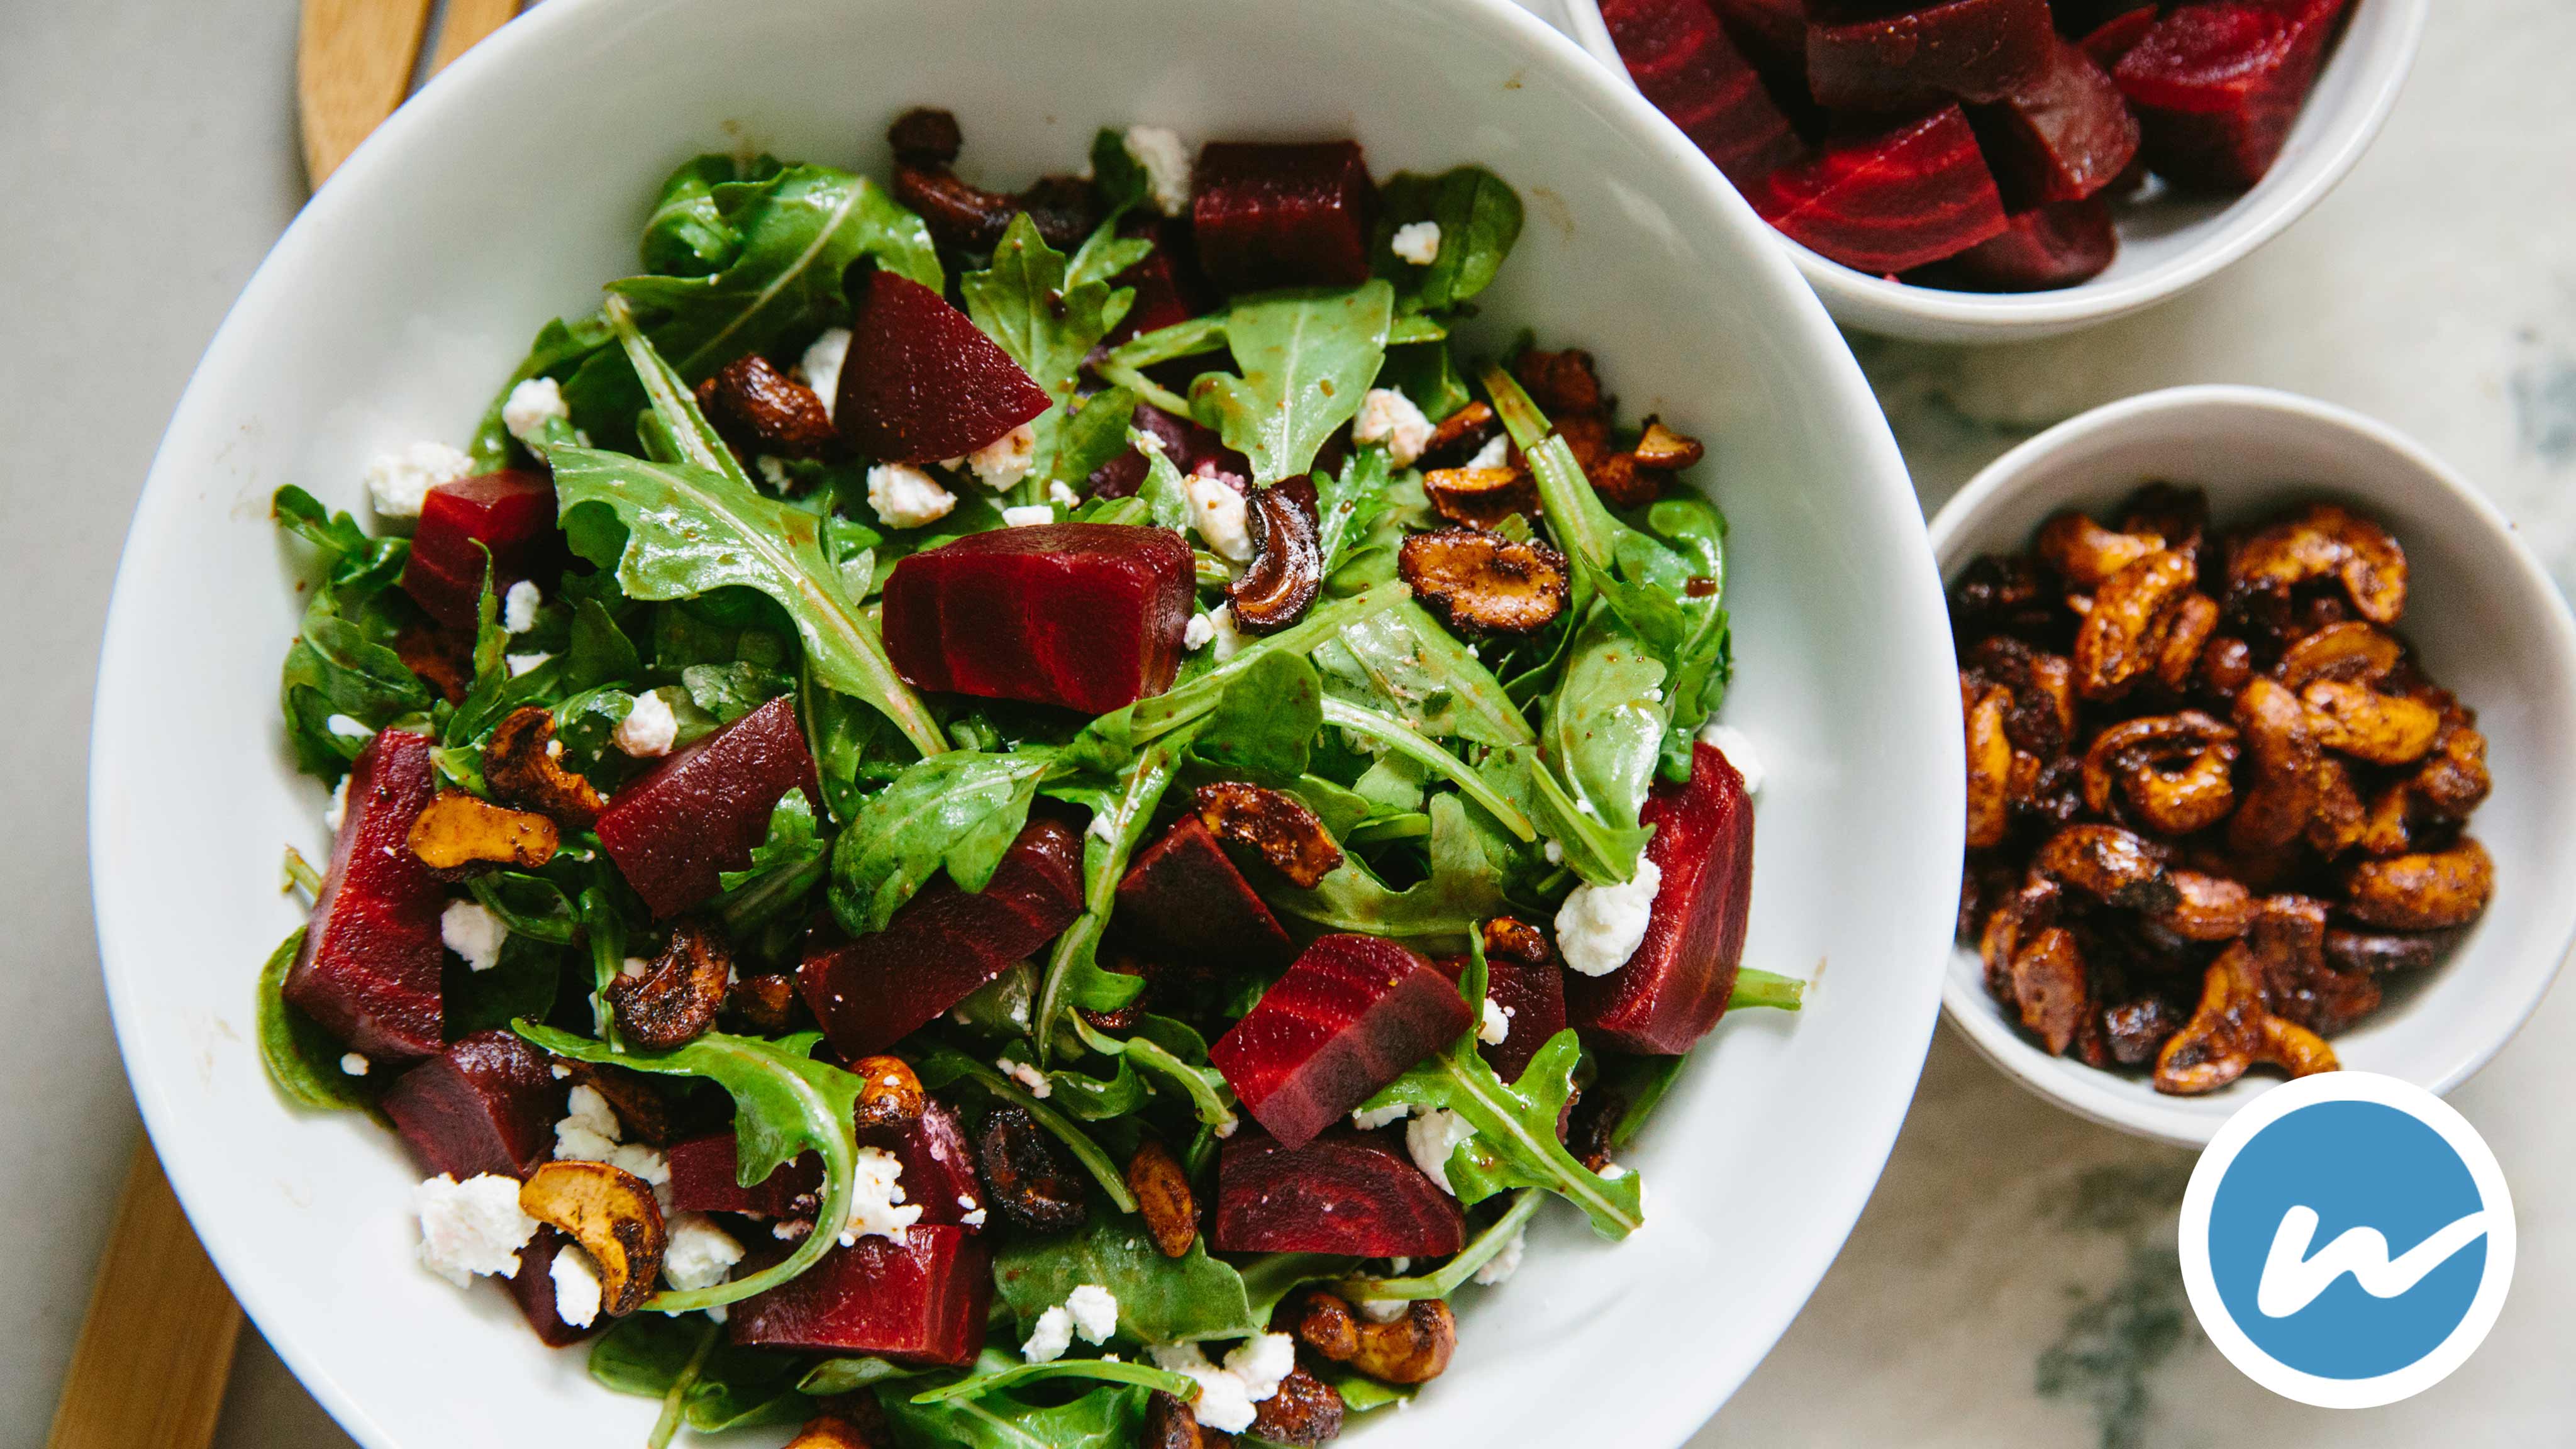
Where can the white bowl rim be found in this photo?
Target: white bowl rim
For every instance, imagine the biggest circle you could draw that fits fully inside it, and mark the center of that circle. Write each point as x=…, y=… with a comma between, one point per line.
x=1961, y=1004
x=1861, y=298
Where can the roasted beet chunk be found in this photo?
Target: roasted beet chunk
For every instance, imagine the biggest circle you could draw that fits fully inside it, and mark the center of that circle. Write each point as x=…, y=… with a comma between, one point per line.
x=1675, y=987
x=700, y=812
x=1349, y=1017
x=1283, y=215
x=2217, y=85
x=872, y=991
x=705, y=1179
x=1186, y=899
x=2063, y=136
x=1529, y=997
x=1085, y=615
x=2057, y=245
x=1889, y=201
x=369, y=969
x=938, y=1163
x=918, y=1301
x=533, y=1289
x=923, y=384
x=1973, y=50
x=485, y=1104
x=1346, y=1192
x=512, y=514
x=1684, y=63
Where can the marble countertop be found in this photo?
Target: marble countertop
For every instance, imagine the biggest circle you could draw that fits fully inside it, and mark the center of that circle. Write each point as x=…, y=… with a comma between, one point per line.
x=2013, y=1280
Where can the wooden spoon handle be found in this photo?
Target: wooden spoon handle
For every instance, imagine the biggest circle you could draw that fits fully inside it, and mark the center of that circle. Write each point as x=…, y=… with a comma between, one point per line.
x=464, y=23
x=353, y=64
x=149, y=1370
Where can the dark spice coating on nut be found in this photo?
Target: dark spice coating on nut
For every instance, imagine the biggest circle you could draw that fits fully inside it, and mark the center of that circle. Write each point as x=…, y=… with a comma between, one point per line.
x=1163, y=1198
x=523, y=767
x=759, y=409
x=676, y=1000
x=1287, y=568
x=1275, y=825
x=967, y=218
x=1484, y=583
x=1034, y=1180
x=1305, y=1411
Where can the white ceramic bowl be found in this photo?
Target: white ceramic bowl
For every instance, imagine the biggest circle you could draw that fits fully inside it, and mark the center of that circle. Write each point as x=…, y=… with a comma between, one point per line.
x=515, y=185
x=2489, y=625
x=2168, y=245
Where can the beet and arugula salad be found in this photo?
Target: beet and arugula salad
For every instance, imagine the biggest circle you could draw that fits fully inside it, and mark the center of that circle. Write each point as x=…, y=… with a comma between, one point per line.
x=1035, y=818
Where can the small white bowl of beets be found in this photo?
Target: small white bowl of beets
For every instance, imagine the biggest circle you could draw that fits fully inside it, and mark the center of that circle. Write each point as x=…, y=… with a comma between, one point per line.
x=1991, y=170
x=2322, y=828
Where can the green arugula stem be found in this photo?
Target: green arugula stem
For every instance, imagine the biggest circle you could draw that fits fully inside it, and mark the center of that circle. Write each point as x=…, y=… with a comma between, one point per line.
x=675, y=1401
x=1104, y=863
x=1413, y=825
x=978, y=1385
x=1574, y=512
x=1411, y=743
x=1767, y=988
x=1457, y=1270
x=300, y=874
x=1204, y=1093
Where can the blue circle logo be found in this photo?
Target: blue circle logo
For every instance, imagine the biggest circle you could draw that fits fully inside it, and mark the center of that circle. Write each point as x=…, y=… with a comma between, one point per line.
x=2347, y=1240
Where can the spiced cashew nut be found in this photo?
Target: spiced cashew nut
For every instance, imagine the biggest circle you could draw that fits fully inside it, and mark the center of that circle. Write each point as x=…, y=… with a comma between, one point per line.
x=2125, y=632
x=2232, y=1030
x=2323, y=541
x=2425, y=891
x=2175, y=772
x=1411, y=1349
x=612, y=1213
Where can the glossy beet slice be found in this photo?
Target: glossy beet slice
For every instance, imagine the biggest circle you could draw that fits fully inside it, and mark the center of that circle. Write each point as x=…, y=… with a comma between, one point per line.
x=922, y=383
x=1272, y=215
x=2118, y=35
x=1192, y=448
x=2063, y=137
x=921, y=1301
x=1889, y=201
x=1683, y=62
x=2217, y=85
x=533, y=1289
x=700, y=812
x=1676, y=985
x=1349, y=1017
x=1533, y=994
x=872, y=991
x=512, y=514
x=1085, y=615
x=488, y=1103
x=703, y=1180
x=2057, y=245
x=369, y=969
x=1353, y=1193
x=1184, y=898
x=1974, y=50
x=938, y=1164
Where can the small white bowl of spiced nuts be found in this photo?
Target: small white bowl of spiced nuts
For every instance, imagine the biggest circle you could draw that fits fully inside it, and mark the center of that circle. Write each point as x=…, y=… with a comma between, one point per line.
x=2267, y=716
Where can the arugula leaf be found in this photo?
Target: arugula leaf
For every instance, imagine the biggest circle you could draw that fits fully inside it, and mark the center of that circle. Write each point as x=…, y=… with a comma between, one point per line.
x=1106, y=1418
x=687, y=234
x=1120, y=181
x=1479, y=218
x=1605, y=725
x=1428, y=374
x=1347, y=503
x=1266, y=719
x=1306, y=358
x=1403, y=741
x=1163, y=492
x=1449, y=1277
x=561, y=346
x=849, y=1375
x=530, y=905
x=1174, y=1051
x=1073, y=976
x=1048, y=322
x=1099, y=1370
x=1401, y=660
x=784, y=866
x=522, y=983
x=1465, y=887
x=1160, y=1300
x=353, y=563
x=338, y=667
x=650, y=1355
x=302, y=1059
x=1095, y=435
x=958, y=812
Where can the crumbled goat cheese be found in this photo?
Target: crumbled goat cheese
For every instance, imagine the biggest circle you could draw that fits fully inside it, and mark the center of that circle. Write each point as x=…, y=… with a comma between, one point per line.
x=1165, y=159
x=576, y=1278
x=699, y=1254
x=336, y=814
x=1217, y=515
x=1199, y=631
x=1369, y=1119
x=397, y=482
x=346, y=728
x=1417, y=242
x=521, y=663
x=1095, y=1312
x=1226, y=1395
x=354, y=1064
x=1026, y=1075
x=972, y=1219
x=1599, y=927
x=1497, y=453
x=1431, y=1137
x=1383, y=1310
x=531, y=405
x=772, y=470
x=1004, y=461
x=649, y=728
x=1389, y=417
x=1496, y=1025
x=1224, y=635
x=1029, y=516
x=877, y=1208
x=1225, y=1126
x=903, y=496
x=559, y=1072
x=472, y=931
x=634, y=966
x=590, y=1132
x=1729, y=741
x=1062, y=496
x=471, y=1227
x=821, y=365
x=1505, y=1263
x=1049, y=1337
x=519, y=607
x=1554, y=850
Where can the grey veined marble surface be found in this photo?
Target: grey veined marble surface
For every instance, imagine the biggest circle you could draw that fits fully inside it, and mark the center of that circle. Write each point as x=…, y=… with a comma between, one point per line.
x=2013, y=1281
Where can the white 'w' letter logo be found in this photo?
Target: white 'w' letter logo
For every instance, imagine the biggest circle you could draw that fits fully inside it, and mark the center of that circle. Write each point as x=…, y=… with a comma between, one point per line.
x=2292, y=1280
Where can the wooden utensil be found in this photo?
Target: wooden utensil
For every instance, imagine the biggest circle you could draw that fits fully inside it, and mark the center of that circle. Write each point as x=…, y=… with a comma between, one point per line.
x=355, y=60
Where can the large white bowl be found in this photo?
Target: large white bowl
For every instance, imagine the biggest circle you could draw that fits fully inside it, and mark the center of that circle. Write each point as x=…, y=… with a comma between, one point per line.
x=2482, y=614
x=2168, y=244
x=516, y=184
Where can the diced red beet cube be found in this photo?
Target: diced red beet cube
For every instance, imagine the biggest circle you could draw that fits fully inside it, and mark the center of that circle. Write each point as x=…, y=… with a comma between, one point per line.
x=700, y=812
x=1085, y=615
x=2057, y=245
x=1347, y=1192
x=1283, y=215
x=1350, y=1016
x=1673, y=990
x=704, y=1180
x=1186, y=899
x=938, y=1164
x=923, y=384
x=533, y=1289
x=488, y=1103
x=370, y=965
x=1159, y=301
x=921, y=1301
x=1973, y=50
x=511, y=513
x=1192, y=447
x=2062, y=137
x=1889, y=201
x=872, y=991
x=1771, y=33
x=1683, y=62
x=2118, y=35
x=1532, y=995
x=2217, y=85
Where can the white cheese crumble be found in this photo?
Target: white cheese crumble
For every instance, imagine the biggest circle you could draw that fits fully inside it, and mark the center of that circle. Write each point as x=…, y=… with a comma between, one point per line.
x=1600, y=927
x=531, y=405
x=336, y=814
x=1496, y=1025
x=1199, y=631
x=521, y=663
x=1004, y=461
x=1383, y=1310
x=1554, y=850
x=1062, y=496
x=590, y=1132
x=1431, y=1137
x=1729, y=741
x=1165, y=159
x=576, y=1279
x=398, y=482
x=1029, y=516
x=519, y=607
x=1417, y=242
x=1370, y=1119
x=1389, y=417
x=1505, y=1263
x=1095, y=1312
x=903, y=496
x=1497, y=453
x=973, y=1218
x=471, y=1227
x=1049, y=1337
x=649, y=728
x=1225, y=1126
x=877, y=1208
x=1223, y=634
x=821, y=365
x=1021, y=1072
x=1217, y=515
x=346, y=728
x=353, y=1064
x=1251, y=1373
x=699, y=1254
x=472, y=931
